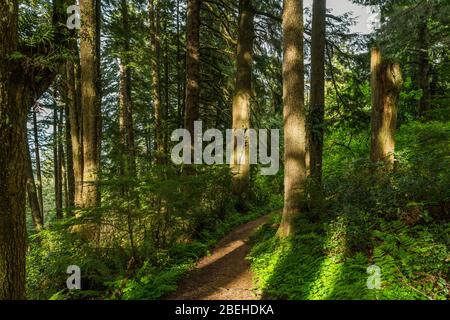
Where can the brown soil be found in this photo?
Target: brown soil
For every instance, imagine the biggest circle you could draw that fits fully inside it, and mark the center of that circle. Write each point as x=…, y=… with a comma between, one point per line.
x=225, y=274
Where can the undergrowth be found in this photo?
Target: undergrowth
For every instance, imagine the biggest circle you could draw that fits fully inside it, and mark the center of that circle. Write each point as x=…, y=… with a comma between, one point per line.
x=398, y=222
x=155, y=282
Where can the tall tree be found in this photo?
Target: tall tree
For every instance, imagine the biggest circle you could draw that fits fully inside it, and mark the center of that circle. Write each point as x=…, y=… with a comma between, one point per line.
x=90, y=100
x=33, y=196
x=62, y=158
x=125, y=101
x=180, y=80
x=423, y=63
x=386, y=82
x=317, y=95
x=76, y=124
x=57, y=164
x=21, y=84
x=166, y=109
x=70, y=175
x=240, y=162
x=294, y=115
x=12, y=162
x=156, y=77
x=192, y=112
x=38, y=162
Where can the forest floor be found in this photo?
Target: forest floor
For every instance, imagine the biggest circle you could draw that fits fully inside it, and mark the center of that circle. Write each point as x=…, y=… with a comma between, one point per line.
x=225, y=274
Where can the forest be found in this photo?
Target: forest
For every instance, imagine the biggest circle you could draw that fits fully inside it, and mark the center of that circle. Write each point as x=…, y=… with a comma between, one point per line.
x=225, y=150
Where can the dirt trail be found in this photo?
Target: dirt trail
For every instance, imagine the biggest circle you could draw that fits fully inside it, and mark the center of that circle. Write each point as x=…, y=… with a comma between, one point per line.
x=225, y=274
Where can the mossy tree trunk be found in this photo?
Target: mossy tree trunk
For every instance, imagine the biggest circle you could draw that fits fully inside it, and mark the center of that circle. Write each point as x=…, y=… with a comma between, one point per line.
x=90, y=101
x=386, y=82
x=38, y=163
x=424, y=67
x=317, y=110
x=21, y=85
x=125, y=101
x=240, y=163
x=13, y=176
x=192, y=112
x=75, y=120
x=57, y=165
x=33, y=195
x=294, y=115
x=156, y=78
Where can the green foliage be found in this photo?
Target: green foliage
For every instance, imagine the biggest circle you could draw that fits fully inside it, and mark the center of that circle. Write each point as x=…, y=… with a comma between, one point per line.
x=153, y=282
x=51, y=252
x=154, y=226
x=152, y=230
x=397, y=221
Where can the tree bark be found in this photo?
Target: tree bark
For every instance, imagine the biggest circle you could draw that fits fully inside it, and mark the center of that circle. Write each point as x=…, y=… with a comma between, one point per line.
x=62, y=157
x=423, y=76
x=12, y=162
x=179, y=61
x=19, y=89
x=317, y=111
x=125, y=101
x=70, y=176
x=38, y=164
x=192, y=112
x=386, y=84
x=33, y=197
x=294, y=115
x=240, y=163
x=90, y=101
x=166, y=110
x=57, y=165
x=156, y=79
x=75, y=120
x=68, y=161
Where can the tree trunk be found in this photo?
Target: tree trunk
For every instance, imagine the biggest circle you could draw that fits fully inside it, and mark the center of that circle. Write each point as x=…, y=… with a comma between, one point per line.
x=13, y=175
x=125, y=102
x=19, y=87
x=33, y=197
x=166, y=110
x=294, y=115
x=68, y=172
x=38, y=164
x=240, y=163
x=13, y=179
x=386, y=84
x=57, y=165
x=156, y=79
x=317, y=110
x=192, y=112
x=423, y=76
x=179, y=78
x=62, y=158
x=70, y=177
x=75, y=120
x=90, y=101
